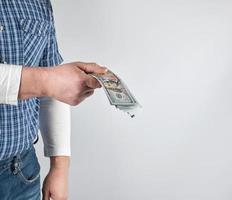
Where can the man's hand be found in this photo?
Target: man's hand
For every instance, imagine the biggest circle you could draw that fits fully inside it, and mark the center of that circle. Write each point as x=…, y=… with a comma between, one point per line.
x=69, y=83
x=55, y=185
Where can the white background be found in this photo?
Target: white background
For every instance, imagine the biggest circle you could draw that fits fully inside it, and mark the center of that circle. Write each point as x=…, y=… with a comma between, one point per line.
x=176, y=58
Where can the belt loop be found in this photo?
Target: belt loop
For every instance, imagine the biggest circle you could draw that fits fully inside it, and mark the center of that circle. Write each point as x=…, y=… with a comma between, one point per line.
x=15, y=164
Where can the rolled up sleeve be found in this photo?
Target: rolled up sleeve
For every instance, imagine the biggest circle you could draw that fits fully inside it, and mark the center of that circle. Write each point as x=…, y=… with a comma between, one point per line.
x=10, y=78
x=55, y=127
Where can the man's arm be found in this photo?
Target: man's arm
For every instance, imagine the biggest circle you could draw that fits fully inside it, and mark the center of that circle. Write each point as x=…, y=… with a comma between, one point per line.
x=67, y=83
x=55, y=185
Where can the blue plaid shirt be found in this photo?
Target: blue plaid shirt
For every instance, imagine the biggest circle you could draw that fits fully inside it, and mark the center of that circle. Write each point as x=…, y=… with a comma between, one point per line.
x=27, y=38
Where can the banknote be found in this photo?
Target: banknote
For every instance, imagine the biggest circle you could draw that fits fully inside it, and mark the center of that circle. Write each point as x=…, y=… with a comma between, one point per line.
x=117, y=92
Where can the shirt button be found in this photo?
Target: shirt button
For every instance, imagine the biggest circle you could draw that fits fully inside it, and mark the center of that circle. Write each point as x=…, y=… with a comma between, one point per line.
x=1, y=28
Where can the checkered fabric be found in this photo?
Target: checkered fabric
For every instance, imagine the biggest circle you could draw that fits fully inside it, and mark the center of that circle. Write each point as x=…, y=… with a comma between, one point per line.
x=27, y=37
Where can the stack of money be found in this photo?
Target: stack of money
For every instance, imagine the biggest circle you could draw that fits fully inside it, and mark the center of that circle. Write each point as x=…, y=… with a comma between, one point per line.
x=118, y=93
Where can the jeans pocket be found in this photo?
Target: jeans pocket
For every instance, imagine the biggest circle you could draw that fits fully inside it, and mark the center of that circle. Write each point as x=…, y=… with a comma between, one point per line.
x=30, y=178
x=29, y=168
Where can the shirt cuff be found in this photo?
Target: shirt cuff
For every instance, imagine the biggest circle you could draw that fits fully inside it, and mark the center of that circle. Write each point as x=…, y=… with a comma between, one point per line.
x=10, y=78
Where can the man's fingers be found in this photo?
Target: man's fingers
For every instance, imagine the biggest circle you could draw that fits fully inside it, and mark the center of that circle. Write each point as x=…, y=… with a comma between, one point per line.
x=92, y=68
x=89, y=90
x=92, y=82
x=85, y=95
x=88, y=94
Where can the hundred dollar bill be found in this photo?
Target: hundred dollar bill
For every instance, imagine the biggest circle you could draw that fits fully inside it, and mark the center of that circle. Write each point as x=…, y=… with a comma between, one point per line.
x=117, y=92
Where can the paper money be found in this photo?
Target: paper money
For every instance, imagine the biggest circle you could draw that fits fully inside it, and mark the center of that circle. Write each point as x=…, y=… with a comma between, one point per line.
x=117, y=92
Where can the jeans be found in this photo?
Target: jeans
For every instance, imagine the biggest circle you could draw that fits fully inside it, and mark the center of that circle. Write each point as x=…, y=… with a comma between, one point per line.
x=20, y=177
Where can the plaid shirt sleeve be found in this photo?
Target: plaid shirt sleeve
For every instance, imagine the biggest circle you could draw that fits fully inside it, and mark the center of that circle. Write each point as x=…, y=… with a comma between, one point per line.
x=51, y=55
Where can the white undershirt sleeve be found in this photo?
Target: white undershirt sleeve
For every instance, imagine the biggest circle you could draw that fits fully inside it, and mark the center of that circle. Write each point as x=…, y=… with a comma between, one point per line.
x=10, y=77
x=55, y=127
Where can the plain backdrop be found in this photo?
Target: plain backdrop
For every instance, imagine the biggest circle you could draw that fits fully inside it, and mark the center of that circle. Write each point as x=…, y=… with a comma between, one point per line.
x=175, y=56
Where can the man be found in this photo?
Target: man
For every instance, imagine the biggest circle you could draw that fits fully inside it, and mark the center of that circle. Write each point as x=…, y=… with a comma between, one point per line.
x=28, y=89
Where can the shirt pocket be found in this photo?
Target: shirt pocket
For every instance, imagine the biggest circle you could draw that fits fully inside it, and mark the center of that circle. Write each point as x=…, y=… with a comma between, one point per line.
x=35, y=35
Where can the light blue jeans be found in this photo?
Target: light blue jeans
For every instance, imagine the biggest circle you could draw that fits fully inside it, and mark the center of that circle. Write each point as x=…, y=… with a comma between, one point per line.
x=20, y=177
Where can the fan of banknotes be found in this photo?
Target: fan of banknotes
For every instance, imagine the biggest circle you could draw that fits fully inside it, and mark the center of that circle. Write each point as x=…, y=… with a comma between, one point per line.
x=118, y=93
